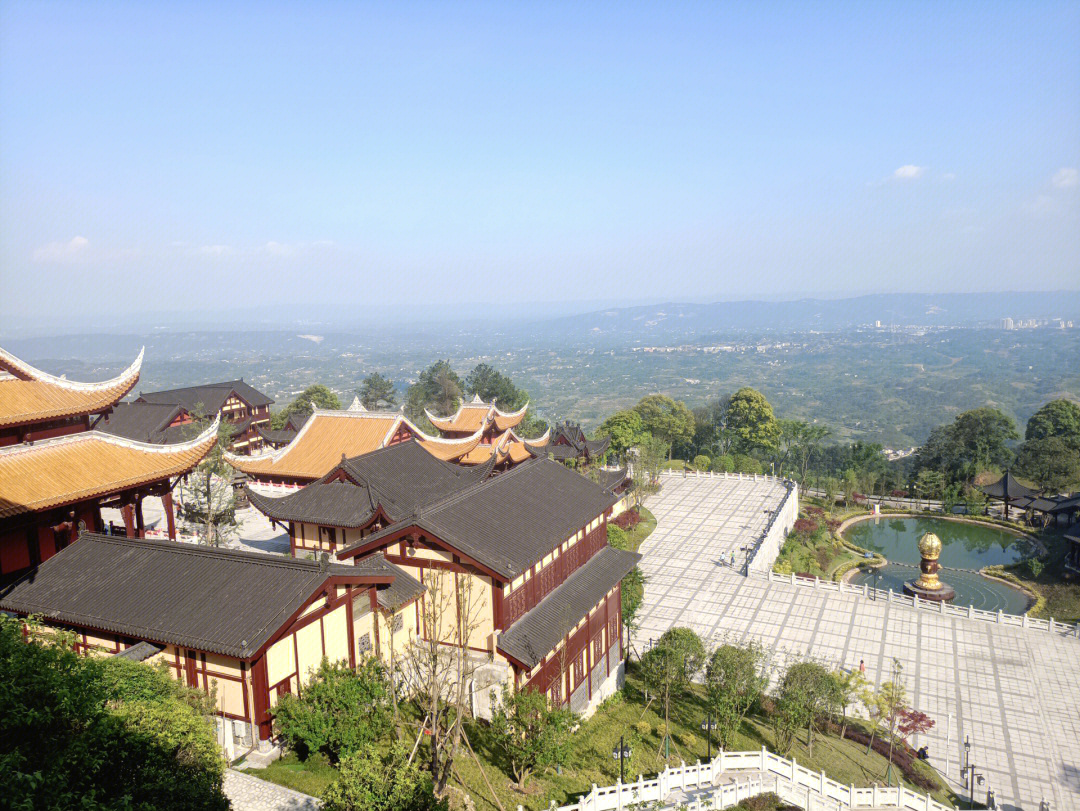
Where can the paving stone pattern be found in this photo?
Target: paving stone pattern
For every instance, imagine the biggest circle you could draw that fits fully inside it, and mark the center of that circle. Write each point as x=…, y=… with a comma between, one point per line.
x=1015, y=692
x=248, y=793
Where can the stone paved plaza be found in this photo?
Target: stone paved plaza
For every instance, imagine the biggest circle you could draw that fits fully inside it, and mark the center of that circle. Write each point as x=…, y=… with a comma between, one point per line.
x=1015, y=692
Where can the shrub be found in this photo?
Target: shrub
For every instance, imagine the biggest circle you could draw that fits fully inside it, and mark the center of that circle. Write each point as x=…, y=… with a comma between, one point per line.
x=368, y=781
x=643, y=728
x=616, y=536
x=628, y=519
x=804, y=526
x=701, y=462
x=72, y=736
x=530, y=733
x=340, y=711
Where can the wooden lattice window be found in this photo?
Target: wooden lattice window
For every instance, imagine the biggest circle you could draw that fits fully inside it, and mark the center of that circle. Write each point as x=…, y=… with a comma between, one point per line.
x=363, y=645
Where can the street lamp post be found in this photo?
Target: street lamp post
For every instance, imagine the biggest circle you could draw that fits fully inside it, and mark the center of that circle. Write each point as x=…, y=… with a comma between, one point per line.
x=971, y=776
x=621, y=754
x=707, y=725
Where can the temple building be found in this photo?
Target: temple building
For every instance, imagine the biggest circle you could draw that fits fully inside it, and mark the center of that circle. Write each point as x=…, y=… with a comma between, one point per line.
x=248, y=626
x=532, y=542
x=36, y=405
x=478, y=416
x=61, y=474
x=362, y=495
x=568, y=441
x=239, y=405
x=328, y=435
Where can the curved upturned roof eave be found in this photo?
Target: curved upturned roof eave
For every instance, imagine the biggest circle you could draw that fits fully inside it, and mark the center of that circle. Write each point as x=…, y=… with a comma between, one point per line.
x=24, y=371
x=447, y=449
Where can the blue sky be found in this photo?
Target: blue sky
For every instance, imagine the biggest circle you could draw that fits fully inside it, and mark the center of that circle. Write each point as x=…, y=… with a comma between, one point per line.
x=165, y=156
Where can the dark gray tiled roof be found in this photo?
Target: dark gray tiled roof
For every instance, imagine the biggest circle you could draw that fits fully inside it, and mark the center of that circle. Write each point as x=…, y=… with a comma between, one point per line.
x=212, y=396
x=143, y=422
x=610, y=479
x=401, y=478
x=215, y=600
x=510, y=521
x=334, y=504
x=404, y=589
x=537, y=633
x=1008, y=487
x=282, y=437
x=140, y=652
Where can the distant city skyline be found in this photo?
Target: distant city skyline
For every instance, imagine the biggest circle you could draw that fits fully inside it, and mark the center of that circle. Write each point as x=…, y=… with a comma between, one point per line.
x=187, y=158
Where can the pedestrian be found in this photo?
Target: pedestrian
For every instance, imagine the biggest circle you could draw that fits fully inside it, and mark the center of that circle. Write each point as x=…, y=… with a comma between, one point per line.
x=862, y=668
x=732, y=558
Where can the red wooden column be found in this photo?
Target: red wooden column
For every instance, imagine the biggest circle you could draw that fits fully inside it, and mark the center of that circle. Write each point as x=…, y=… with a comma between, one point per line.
x=170, y=518
x=128, y=511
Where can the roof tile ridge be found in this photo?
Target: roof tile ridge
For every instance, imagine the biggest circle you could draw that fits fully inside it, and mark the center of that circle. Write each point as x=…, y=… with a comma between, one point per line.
x=469, y=490
x=200, y=550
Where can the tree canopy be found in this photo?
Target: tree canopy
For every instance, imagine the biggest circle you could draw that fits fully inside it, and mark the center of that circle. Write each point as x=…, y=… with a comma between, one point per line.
x=1058, y=418
x=437, y=388
x=666, y=419
x=305, y=402
x=81, y=732
x=377, y=392
x=492, y=385
x=626, y=429
x=976, y=440
x=750, y=418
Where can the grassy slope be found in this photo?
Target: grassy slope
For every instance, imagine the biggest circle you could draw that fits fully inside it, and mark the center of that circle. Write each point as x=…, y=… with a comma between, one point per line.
x=591, y=762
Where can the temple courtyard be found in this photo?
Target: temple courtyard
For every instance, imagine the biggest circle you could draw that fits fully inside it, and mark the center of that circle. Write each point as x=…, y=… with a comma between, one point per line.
x=1015, y=692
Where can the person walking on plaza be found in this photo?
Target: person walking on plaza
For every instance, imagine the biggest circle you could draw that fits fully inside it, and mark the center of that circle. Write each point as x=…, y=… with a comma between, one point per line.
x=732, y=558
x=862, y=668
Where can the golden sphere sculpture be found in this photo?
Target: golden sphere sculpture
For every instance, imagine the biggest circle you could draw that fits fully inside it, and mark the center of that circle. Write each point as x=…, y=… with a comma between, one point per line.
x=930, y=549
x=930, y=546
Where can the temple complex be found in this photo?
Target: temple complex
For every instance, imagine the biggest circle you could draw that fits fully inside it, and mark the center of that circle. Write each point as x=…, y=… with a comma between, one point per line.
x=242, y=407
x=60, y=474
x=329, y=435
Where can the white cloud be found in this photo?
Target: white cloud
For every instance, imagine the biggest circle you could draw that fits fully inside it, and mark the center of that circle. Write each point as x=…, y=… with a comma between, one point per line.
x=278, y=249
x=62, y=252
x=215, y=250
x=1066, y=178
x=909, y=172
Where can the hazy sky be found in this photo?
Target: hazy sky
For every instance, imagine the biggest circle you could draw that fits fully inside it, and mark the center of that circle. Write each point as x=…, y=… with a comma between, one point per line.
x=180, y=156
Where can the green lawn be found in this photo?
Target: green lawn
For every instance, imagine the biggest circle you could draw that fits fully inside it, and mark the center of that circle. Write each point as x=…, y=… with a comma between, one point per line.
x=591, y=760
x=1062, y=597
x=637, y=535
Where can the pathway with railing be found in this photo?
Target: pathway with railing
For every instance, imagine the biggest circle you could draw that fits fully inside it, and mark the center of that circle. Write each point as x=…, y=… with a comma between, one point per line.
x=698, y=786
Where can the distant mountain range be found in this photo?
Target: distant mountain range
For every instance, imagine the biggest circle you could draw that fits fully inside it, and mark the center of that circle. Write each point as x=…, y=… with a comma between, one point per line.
x=699, y=320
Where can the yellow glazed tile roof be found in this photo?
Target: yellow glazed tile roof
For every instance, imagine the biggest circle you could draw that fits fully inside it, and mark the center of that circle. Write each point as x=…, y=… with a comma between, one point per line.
x=320, y=444
x=89, y=465
x=29, y=395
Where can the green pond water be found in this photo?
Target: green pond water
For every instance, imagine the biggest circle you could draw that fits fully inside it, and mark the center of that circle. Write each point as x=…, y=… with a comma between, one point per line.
x=965, y=548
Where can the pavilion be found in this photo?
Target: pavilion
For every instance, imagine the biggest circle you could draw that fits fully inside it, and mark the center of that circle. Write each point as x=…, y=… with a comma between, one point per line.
x=1007, y=490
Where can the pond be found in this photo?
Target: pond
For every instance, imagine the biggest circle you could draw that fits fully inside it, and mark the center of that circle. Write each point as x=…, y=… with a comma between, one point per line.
x=965, y=548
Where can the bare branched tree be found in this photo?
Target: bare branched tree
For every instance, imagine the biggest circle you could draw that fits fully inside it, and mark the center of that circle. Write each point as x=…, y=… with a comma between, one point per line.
x=439, y=668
